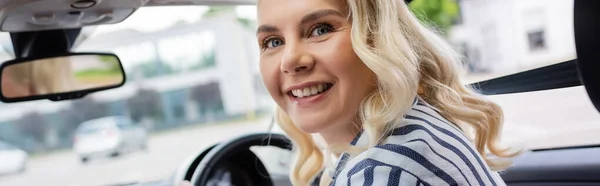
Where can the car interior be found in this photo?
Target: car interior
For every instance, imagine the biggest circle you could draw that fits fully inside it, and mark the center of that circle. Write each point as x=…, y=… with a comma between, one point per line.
x=36, y=35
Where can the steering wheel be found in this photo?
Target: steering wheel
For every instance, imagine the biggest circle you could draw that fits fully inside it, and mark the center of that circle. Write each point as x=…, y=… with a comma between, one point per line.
x=239, y=170
x=233, y=161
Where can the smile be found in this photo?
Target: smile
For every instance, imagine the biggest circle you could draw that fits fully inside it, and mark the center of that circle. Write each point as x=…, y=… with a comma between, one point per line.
x=310, y=91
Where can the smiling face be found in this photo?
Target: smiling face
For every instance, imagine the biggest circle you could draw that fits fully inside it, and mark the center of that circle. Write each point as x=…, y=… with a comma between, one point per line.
x=308, y=64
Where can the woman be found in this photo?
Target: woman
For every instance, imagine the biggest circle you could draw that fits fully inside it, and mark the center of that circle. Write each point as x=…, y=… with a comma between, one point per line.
x=53, y=75
x=381, y=90
x=40, y=77
x=14, y=83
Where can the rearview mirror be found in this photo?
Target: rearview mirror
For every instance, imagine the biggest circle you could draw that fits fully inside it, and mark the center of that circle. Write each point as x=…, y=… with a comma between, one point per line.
x=59, y=77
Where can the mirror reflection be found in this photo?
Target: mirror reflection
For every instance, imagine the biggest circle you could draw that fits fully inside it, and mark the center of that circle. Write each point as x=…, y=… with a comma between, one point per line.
x=60, y=75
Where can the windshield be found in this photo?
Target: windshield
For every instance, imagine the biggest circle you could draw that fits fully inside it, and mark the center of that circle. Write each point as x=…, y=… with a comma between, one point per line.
x=193, y=80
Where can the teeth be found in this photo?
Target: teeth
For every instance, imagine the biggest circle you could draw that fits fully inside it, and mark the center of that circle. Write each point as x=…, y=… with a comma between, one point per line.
x=298, y=93
x=309, y=91
x=314, y=90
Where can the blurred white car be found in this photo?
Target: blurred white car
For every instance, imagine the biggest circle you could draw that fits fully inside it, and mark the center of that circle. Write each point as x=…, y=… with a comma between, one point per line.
x=12, y=159
x=108, y=136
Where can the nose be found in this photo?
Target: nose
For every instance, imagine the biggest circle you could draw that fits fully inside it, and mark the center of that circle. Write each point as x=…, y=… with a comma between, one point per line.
x=295, y=60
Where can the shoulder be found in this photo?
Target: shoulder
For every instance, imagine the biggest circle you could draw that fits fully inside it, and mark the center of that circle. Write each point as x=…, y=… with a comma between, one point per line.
x=395, y=164
x=366, y=170
x=416, y=162
x=425, y=149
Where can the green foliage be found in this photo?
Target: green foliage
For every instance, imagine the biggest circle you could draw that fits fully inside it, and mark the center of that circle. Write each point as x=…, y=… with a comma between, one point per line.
x=247, y=23
x=98, y=73
x=107, y=59
x=112, y=62
x=113, y=70
x=208, y=60
x=216, y=10
x=437, y=13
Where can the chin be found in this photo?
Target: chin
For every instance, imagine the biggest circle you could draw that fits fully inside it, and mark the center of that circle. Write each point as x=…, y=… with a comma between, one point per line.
x=309, y=126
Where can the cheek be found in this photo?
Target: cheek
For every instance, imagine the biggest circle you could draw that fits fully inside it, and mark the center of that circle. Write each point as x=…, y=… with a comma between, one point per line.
x=343, y=61
x=348, y=68
x=270, y=75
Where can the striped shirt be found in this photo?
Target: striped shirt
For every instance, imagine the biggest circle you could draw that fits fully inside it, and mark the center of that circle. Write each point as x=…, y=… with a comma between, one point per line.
x=425, y=150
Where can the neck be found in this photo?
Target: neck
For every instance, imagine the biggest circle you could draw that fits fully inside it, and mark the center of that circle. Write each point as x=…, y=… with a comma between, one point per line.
x=340, y=135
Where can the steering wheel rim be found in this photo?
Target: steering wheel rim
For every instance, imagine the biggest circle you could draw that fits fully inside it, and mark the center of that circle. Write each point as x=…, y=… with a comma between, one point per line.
x=225, y=151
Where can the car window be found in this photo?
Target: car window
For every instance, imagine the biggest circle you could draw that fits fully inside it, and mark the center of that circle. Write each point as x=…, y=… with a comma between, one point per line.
x=91, y=130
x=123, y=123
x=499, y=38
x=94, y=127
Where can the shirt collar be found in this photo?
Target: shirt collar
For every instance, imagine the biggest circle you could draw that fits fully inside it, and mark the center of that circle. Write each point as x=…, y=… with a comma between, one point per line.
x=359, y=140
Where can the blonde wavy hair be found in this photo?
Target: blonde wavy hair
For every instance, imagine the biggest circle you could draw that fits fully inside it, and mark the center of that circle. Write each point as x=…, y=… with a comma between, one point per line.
x=46, y=76
x=409, y=59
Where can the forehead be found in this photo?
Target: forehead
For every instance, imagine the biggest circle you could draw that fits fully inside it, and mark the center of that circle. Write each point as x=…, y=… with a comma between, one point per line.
x=274, y=11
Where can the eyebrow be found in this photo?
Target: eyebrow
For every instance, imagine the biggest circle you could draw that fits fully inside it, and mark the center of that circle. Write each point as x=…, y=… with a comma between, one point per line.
x=319, y=14
x=306, y=19
x=266, y=28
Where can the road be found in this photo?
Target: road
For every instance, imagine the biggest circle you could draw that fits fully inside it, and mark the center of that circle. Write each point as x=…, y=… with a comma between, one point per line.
x=537, y=120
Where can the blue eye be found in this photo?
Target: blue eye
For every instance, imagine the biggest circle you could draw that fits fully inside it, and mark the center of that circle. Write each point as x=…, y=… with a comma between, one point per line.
x=273, y=43
x=321, y=30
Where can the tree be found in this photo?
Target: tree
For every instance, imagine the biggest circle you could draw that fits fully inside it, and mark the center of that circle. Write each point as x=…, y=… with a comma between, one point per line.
x=34, y=125
x=111, y=62
x=216, y=10
x=437, y=13
x=146, y=103
x=247, y=23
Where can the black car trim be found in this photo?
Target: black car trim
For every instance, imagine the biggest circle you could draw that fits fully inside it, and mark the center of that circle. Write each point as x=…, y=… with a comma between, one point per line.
x=560, y=75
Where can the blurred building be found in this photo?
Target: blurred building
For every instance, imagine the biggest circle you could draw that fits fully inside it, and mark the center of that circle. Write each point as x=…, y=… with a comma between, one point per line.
x=501, y=36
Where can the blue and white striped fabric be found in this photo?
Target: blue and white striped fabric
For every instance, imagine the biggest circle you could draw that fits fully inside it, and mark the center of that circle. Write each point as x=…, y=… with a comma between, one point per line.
x=426, y=150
